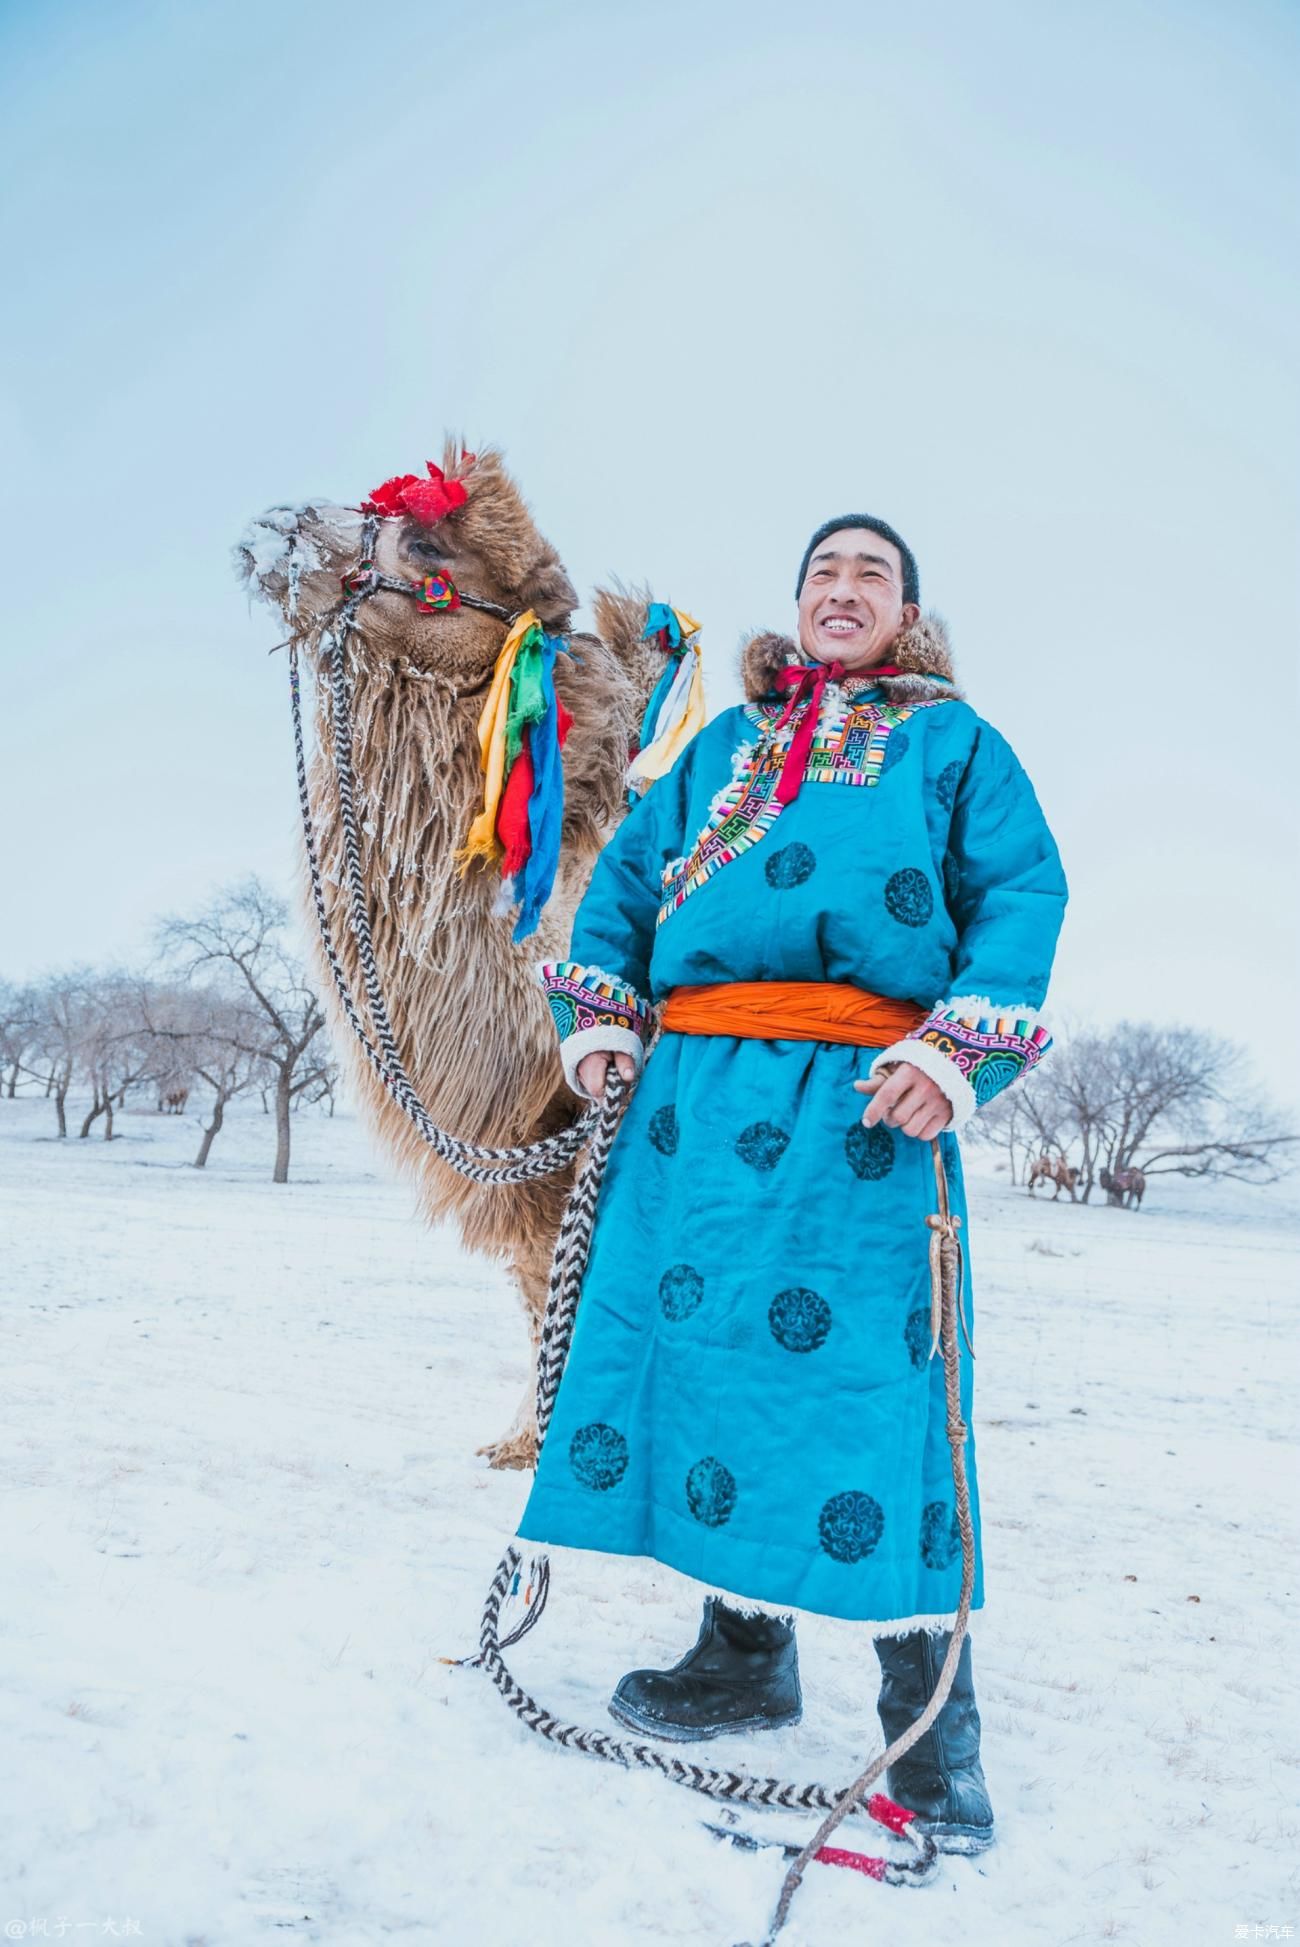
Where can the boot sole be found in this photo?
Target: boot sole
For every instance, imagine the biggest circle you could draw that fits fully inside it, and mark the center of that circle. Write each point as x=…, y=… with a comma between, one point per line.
x=961, y=1839
x=678, y=1734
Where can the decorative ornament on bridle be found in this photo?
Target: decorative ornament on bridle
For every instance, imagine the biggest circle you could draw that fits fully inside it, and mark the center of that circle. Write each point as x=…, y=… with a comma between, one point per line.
x=524, y=723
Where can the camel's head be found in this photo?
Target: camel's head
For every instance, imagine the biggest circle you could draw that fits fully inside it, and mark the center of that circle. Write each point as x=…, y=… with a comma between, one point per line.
x=477, y=532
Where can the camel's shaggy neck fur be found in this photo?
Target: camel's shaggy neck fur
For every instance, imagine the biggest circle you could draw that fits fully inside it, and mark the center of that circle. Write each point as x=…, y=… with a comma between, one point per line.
x=470, y=1018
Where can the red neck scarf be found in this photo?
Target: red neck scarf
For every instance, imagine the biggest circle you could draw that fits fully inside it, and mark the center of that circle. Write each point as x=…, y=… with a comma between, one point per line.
x=806, y=683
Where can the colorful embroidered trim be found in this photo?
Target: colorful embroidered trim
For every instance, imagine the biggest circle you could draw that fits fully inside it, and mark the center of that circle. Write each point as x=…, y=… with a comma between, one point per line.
x=848, y=748
x=742, y=814
x=851, y=747
x=584, y=997
x=990, y=1050
x=676, y=707
x=521, y=732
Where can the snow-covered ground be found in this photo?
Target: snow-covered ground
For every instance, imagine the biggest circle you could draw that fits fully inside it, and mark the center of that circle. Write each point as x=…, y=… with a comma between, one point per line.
x=223, y=1710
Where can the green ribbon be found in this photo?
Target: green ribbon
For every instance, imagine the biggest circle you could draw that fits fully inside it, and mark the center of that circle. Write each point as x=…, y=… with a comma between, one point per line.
x=527, y=700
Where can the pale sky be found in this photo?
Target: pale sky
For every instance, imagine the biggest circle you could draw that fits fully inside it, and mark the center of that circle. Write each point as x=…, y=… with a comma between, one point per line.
x=1019, y=279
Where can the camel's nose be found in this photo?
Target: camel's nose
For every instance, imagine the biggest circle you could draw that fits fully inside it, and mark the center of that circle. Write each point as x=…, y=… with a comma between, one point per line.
x=268, y=549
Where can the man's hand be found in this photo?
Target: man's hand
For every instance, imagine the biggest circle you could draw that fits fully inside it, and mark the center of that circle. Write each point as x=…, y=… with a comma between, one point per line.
x=593, y=1070
x=906, y=1098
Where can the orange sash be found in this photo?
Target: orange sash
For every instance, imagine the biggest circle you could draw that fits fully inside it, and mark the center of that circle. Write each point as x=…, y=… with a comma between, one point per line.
x=791, y=1010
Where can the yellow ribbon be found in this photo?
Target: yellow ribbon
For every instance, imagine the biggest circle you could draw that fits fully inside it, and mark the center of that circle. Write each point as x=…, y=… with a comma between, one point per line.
x=482, y=840
x=659, y=756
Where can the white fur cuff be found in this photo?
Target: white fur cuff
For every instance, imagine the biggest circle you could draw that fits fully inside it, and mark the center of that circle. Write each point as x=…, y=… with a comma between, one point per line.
x=611, y=1040
x=922, y=1055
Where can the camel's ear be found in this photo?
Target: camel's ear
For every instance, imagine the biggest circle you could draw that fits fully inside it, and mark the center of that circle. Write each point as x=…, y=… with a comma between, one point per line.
x=548, y=589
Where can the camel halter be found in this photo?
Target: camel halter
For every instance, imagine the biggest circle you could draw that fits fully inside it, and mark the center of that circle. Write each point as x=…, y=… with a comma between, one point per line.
x=550, y=1154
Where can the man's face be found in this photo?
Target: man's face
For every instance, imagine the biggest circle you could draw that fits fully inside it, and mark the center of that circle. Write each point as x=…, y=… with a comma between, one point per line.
x=851, y=605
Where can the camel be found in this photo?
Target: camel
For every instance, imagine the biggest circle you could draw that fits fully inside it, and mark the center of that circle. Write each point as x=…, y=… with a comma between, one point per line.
x=1124, y=1188
x=471, y=1018
x=1054, y=1169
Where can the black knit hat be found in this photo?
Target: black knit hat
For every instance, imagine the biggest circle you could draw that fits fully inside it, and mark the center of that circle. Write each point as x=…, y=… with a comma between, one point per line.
x=911, y=574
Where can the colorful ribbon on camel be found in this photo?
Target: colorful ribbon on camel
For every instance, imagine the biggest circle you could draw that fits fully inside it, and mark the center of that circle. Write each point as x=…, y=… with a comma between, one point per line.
x=676, y=707
x=520, y=733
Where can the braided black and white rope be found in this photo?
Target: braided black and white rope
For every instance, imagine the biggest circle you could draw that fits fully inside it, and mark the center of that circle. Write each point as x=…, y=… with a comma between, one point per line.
x=516, y=1163
x=734, y=1787
x=572, y=1248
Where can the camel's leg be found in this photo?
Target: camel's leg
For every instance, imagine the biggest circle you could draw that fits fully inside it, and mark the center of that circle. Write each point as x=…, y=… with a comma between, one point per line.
x=518, y=1446
x=532, y=1268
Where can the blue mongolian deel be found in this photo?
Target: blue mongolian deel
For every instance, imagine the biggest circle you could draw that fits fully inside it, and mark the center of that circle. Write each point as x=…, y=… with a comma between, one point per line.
x=748, y=1396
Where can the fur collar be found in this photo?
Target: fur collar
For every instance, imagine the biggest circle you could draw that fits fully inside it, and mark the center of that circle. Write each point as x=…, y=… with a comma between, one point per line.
x=922, y=648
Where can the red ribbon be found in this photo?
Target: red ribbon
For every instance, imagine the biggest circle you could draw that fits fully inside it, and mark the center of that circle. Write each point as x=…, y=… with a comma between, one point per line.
x=512, y=827
x=808, y=681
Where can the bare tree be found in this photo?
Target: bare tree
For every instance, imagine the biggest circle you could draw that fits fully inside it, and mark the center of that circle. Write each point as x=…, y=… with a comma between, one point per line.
x=64, y=1013
x=1002, y=1123
x=1139, y=1100
x=19, y=1029
x=1081, y=1085
x=199, y=1030
x=1214, y=1121
x=115, y=1049
x=239, y=943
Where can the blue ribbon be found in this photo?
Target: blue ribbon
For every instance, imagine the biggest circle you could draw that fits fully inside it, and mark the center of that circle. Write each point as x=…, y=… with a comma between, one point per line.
x=536, y=876
x=660, y=619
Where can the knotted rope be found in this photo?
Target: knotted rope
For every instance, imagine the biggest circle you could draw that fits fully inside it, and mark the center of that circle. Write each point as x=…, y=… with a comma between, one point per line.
x=519, y=1163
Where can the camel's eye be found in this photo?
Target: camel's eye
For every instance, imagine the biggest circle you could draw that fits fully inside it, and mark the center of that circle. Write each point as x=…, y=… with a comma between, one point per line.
x=425, y=548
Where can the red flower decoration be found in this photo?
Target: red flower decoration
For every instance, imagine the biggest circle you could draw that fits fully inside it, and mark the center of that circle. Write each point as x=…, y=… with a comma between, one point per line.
x=423, y=500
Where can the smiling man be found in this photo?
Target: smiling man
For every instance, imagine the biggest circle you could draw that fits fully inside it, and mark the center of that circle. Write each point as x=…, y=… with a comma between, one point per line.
x=749, y=1396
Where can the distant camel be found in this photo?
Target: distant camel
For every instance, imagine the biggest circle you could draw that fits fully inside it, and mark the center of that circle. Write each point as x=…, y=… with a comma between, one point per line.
x=1054, y=1169
x=1123, y=1188
x=172, y=1100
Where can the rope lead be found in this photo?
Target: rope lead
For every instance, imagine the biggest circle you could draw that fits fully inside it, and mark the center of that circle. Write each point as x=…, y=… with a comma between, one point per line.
x=736, y=1787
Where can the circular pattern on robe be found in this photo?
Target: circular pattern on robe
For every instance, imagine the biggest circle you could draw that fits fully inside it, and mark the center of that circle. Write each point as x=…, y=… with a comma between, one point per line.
x=598, y=1455
x=681, y=1291
x=909, y=897
x=850, y=1525
x=800, y=1319
x=896, y=746
x=762, y=1145
x=711, y=1492
x=940, y=1535
x=663, y=1130
x=945, y=785
x=989, y=1076
x=870, y=1151
x=791, y=866
x=917, y=1334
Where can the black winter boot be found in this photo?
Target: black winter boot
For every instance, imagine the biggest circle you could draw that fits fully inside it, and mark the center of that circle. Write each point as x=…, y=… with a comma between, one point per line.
x=940, y=1778
x=742, y=1675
